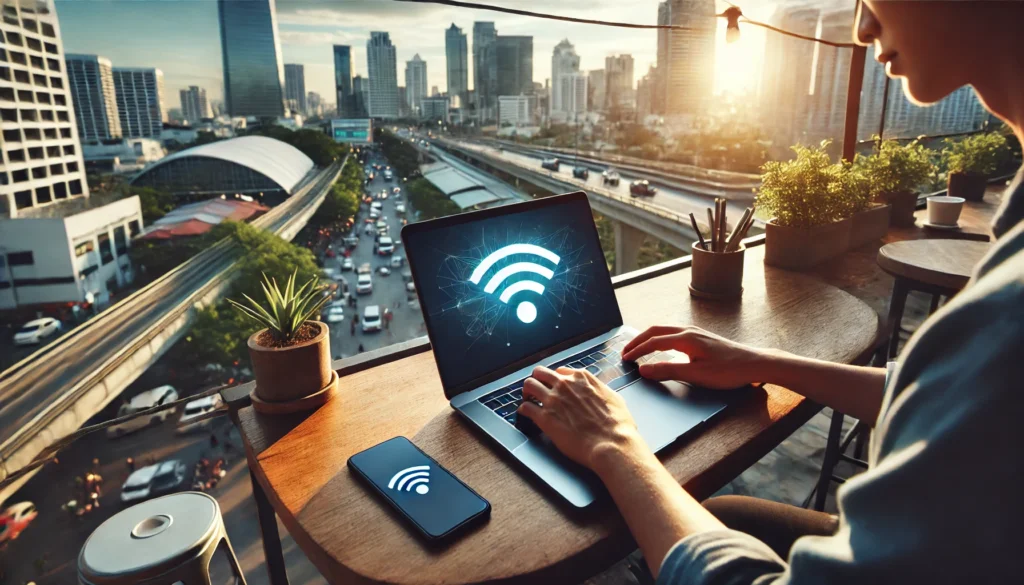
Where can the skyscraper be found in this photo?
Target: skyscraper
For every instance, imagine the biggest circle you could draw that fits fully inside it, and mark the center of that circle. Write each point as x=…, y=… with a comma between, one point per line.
x=619, y=81
x=564, y=62
x=295, y=86
x=343, y=81
x=658, y=81
x=40, y=155
x=456, y=57
x=314, y=104
x=415, y=82
x=689, y=76
x=253, y=73
x=140, y=101
x=91, y=82
x=383, y=70
x=573, y=94
x=360, y=97
x=194, y=105
x=786, y=75
x=596, y=88
x=485, y=69
x=515, y=65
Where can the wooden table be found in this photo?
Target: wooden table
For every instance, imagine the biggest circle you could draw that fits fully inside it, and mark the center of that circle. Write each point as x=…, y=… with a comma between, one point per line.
x=532, y=536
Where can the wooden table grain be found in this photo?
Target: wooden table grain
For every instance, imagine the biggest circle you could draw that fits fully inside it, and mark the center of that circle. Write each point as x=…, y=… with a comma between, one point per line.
x=532, y=536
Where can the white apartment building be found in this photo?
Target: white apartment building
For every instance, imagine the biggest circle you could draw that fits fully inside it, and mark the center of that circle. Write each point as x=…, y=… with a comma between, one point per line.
x=91, y=81
x=40, y=158
x=140, y=101
x=516, y=110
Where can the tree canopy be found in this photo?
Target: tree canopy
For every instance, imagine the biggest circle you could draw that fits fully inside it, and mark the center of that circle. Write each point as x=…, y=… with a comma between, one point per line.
x=313, y=143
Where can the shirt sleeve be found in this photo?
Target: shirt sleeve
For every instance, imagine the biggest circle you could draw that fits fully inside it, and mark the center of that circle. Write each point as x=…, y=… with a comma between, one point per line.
x=720, y=557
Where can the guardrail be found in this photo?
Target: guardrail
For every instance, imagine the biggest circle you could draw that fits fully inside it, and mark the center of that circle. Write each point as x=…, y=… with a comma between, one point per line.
x=212, y=265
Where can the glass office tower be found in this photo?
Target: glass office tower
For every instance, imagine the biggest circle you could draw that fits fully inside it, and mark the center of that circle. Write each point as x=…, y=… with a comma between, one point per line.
x=253, y=72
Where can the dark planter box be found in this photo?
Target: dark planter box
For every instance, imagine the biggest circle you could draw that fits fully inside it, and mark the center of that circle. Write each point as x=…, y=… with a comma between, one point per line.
x=796, y=248
x=970, y=186
x=903, y=207
x=869, y=225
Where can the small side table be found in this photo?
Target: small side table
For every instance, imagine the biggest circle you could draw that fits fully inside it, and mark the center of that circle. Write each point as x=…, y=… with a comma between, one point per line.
x=936, y=267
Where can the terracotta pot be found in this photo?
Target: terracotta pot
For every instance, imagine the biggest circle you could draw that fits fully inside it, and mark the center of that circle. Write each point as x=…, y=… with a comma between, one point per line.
x=903, y=207
x=970, y=186
x=798, y=248
x=285, y=374
x=869, y=225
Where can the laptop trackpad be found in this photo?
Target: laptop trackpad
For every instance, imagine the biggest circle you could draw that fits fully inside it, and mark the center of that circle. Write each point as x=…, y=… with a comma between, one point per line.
x=574, y=482
x=665, y=410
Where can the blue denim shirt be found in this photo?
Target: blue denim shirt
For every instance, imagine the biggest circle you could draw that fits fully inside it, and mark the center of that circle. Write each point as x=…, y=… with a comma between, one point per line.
x=942, y=501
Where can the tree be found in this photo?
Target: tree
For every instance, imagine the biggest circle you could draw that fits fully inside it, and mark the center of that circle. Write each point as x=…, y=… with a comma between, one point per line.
x=428, y=201
x=315, y=144
x=154, y=203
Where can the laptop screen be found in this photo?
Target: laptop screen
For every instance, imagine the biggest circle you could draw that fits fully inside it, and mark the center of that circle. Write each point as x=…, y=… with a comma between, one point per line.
x=503, y=286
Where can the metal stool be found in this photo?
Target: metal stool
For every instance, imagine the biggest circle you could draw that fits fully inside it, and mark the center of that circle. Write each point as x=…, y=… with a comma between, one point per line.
x=170, y=540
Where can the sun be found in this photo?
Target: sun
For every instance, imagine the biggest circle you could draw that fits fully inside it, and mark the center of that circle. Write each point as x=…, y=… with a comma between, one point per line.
x=738, y=65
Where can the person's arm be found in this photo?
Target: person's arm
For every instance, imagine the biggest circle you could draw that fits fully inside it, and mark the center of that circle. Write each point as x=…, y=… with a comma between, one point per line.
x=716, y=362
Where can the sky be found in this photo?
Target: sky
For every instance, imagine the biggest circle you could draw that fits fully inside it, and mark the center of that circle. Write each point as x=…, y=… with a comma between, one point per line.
x=182, y=37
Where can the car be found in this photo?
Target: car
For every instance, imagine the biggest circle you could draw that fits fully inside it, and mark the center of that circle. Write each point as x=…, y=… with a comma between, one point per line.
x=348, y=265
x=154, y=480
x=386, y=246
x=364, y=285
x=410, y=287
x=196, y=409
x=377, y=205
x=641, y=187
x=396, y=190
x=364, y=268
x=36, y=331
x=551, y=164
x=142, y=401
x=334, y=314
x=610, y=177
x=397, y=261
x=374, y=214
x=330, y=253
x=400, y=209
x=352, y=242
x=581, y=173
x=382, y=228
x=329, y=274
x=384, y=270
x=388, y=176
x=15, y=519
x=371, y=318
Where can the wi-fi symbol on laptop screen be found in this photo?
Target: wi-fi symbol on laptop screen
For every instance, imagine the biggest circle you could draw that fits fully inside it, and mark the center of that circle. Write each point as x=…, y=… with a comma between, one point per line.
x=525, y=310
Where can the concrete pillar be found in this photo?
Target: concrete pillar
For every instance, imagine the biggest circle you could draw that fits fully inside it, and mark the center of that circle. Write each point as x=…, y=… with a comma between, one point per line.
x=628, y=240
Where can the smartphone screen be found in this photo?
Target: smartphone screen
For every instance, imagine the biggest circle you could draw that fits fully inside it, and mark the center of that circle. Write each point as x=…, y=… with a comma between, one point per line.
x=434, y=500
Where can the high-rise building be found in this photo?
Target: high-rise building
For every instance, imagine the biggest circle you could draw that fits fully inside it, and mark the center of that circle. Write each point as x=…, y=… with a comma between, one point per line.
x=485, y=69
x=360, y=97
x=619, y=81
x=140, y=101
x=253, y=72
x=435, y=108
x=314, y=104
x=415, y=83
x=92, y=90
x=343, y=81
x=456, y=59
x=516, y=110
x=596, y=88
x=564, y=62
x=689, y=74
x=40, y=154
x=646, y=90
x=787, y=73
x=434, y=92
x=383, y=82
x=573, y=93
x=295, y=86
x=194, y=105
x=515, y=65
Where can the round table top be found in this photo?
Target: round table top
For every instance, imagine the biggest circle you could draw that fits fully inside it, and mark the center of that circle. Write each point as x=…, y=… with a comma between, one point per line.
x=942, y=263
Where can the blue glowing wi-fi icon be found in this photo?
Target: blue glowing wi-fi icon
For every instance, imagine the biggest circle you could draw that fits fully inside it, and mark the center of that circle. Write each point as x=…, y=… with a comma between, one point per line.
x=417, y=476
x=526, y=311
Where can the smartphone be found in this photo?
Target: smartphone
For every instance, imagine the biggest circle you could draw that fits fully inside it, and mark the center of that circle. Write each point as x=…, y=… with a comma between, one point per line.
x=433, y=500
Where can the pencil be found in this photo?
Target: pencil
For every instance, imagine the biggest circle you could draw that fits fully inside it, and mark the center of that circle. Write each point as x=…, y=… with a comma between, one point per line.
x=723, y=227
x=700, y=238
x=733, y=242
x=711, y=226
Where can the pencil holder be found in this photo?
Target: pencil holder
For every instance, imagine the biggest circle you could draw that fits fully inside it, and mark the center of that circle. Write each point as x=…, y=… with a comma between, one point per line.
x=717, y=277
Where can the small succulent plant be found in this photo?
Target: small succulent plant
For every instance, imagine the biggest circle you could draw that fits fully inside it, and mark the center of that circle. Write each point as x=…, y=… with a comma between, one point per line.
x=284, y=311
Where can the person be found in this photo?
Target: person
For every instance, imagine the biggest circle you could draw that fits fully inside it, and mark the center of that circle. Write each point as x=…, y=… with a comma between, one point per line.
x=940, y=502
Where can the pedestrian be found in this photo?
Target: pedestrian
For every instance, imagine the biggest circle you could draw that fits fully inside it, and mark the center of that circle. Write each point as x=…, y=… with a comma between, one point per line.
x=352, y=329
x=361, y=348
x=130, y=463
x=213, y=441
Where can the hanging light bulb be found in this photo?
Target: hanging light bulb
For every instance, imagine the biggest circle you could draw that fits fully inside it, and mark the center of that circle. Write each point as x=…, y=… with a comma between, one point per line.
x=732, y=30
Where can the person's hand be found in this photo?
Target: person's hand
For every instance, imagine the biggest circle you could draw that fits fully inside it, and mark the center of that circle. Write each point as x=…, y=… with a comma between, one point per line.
x=585, y=419
x=714, y=362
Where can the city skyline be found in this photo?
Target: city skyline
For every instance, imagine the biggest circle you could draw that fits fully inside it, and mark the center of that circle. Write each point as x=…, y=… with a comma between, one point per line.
x=189, y=53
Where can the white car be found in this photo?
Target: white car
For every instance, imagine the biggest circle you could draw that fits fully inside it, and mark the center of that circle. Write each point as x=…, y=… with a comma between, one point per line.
x=376, y=206
x=35, y=331
x=410, y=287
x=371, y=318
x=396, y=261
x=364, y=285
x=383, y=271
x=400, y=209
x=374, y=214
x=334, y=315
x=154, y=480
x=147, y=399
x=196, y=409
x=347, y=265
x=386, y=246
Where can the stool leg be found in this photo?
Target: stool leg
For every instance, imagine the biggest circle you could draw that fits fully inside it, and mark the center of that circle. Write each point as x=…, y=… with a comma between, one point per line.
x=272, y=551
x=230, y=551
x=900, y=290
x=828, y=463
x=935, y=304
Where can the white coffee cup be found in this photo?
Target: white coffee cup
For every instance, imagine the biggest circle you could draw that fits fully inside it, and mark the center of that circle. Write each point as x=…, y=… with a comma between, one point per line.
x=944, y=210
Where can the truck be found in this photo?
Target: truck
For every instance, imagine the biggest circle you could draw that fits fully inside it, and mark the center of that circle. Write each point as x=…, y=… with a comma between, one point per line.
x=364, y=269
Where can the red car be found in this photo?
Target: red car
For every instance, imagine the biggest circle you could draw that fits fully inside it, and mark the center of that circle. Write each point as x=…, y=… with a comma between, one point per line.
x=641, y=187
x=15, y=519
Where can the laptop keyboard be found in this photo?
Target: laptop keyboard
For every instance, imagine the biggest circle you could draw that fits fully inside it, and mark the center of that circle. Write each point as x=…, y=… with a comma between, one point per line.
x=603, y=361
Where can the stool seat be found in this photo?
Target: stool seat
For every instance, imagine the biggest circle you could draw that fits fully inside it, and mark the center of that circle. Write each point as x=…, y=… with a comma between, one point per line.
x=946, y=264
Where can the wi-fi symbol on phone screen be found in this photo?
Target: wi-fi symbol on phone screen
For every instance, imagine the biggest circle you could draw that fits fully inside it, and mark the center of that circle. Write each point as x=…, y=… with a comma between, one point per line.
x=416, y=477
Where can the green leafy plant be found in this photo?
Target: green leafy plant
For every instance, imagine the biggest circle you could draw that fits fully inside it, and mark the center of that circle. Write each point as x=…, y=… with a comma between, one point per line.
x=895, y=168
x=980, y=154
x=285, y=311
x=811, y=190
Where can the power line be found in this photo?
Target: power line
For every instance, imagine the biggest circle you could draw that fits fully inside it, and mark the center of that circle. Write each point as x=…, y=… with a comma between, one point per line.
x=532, y=14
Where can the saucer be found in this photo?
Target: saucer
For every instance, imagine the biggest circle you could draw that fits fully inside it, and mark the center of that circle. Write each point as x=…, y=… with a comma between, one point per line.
x=941, y=226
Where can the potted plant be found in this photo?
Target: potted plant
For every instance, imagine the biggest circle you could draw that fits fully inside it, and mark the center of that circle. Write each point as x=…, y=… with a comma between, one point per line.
x=970, y=161
x=807, y=200
x=895, y=173
x=291, y=355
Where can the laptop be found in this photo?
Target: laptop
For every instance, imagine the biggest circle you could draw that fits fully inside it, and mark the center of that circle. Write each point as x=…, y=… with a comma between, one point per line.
x=507, y=289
